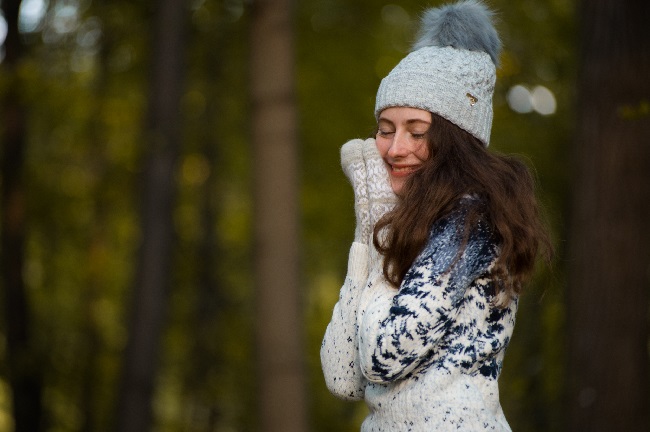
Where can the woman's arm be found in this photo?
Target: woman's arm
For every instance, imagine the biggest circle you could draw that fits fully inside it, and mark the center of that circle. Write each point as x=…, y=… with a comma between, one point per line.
x=374, y=196
x=397, y=333
x=339, y=352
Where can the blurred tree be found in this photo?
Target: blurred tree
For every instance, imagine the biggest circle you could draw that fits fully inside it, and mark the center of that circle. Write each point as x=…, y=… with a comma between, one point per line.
x=279, y=330
x=152, y=280
x=609, y=236
x=24, y=366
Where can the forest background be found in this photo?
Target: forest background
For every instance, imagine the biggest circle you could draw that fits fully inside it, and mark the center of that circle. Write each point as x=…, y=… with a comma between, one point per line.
x=145, y=196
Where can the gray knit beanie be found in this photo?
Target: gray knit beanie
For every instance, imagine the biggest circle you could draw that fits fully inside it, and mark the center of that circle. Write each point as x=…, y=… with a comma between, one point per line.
x=451, y=70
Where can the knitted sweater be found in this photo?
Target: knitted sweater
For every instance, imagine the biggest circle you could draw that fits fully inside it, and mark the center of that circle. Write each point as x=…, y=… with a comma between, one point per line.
x=425, y=357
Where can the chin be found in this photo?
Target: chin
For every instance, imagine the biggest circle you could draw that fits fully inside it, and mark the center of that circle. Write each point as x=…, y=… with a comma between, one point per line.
x=397, y=186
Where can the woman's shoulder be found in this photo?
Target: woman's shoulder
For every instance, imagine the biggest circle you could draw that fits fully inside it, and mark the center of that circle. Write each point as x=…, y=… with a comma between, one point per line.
x=466, y=227
x=457, y=218
x=466, y=250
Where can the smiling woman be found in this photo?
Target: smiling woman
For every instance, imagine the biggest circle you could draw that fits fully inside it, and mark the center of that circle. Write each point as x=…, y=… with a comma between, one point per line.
x=401, y=141
x=447, y=233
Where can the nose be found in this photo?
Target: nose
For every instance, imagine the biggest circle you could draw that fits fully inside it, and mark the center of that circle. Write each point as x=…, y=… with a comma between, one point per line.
x=399, y=146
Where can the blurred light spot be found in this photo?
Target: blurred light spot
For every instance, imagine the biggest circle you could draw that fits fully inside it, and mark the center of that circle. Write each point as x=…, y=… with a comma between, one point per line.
x=540, y=100
x=30, y=15
x=3, y=29
x=89, y=33
x=395, y=15
x=520, y=99
x=65, y=19
x=543, y=100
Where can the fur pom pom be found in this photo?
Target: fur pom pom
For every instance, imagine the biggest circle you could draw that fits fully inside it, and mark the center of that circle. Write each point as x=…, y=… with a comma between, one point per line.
x=463, y=25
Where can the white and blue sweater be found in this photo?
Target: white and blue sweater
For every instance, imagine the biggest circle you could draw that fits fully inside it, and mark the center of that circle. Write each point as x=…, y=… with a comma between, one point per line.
x=425, y=357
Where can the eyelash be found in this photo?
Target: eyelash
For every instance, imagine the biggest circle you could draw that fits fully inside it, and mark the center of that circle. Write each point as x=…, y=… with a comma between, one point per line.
x=387, y=133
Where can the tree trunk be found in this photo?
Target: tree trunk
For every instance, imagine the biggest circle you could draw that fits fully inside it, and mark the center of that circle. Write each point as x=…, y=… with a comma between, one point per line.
x=25, y=377
x=610, y=236
x=282, y=398
x=153, y=274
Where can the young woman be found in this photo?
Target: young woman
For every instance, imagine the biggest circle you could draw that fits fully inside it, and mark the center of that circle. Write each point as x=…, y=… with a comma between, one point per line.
x=447, y=232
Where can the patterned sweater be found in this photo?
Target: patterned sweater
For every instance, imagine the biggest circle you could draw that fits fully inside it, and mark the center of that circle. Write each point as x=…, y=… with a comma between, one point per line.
x=425, y=357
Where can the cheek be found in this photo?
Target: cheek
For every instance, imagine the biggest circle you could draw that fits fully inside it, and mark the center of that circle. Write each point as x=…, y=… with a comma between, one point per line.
x=422, y=152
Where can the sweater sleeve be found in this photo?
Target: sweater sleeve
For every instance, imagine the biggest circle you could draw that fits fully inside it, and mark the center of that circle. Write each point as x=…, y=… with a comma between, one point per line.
x=339, y=351
x=397, y=333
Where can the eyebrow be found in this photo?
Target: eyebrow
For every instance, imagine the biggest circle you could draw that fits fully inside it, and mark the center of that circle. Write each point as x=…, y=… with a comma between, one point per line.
x=408, y=122
x=411, y=121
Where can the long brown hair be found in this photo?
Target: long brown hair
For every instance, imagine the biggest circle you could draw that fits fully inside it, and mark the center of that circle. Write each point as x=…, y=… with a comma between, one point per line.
x=460, y=165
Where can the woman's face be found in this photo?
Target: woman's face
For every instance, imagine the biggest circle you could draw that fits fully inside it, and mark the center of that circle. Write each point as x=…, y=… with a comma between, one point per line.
x=402, y=142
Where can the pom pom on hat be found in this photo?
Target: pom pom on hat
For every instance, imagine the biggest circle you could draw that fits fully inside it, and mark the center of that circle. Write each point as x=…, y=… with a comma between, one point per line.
x=451, y=70
x=463, y=25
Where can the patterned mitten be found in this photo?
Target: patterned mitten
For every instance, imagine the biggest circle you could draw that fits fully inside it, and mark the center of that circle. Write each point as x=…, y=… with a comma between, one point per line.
x=381, y=197
x=355, y=170
x=380, y=193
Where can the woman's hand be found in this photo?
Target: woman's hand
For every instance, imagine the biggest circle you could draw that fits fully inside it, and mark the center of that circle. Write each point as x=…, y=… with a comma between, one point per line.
x=381, y=197
x=354, y=168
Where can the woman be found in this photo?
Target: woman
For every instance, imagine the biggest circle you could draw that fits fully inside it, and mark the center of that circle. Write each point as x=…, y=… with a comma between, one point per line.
x=447, y=232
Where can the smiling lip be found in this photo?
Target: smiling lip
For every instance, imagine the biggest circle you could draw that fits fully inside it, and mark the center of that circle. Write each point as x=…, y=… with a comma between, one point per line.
x=402, y=171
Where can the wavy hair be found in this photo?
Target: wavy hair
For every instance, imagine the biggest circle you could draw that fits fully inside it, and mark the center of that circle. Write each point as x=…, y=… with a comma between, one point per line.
x=458, y=165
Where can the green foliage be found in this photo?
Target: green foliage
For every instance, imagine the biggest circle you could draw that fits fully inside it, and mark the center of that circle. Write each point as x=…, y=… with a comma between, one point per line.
x=86, y=97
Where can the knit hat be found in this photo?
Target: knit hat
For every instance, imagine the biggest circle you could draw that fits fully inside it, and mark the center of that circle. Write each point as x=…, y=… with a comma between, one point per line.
x=451, y=70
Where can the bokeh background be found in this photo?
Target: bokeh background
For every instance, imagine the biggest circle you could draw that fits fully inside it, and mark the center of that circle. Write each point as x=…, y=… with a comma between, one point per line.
x=175, y=223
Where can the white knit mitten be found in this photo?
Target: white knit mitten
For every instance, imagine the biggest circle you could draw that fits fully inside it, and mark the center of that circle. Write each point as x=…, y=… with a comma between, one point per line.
x=381, y=197
x=354, y=168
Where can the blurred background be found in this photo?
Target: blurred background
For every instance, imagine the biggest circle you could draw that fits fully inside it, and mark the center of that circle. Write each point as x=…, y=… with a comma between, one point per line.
x=175, y=222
